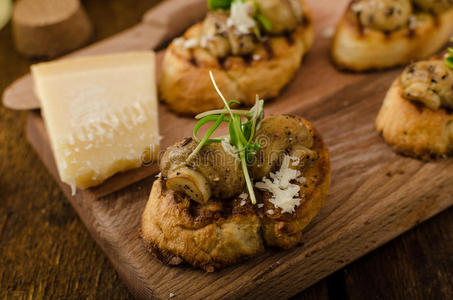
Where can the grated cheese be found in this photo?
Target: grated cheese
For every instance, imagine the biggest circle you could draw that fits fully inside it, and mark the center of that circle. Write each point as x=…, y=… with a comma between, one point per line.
x=240, y=17
x=229, y=149
x=243, y=196
x=285, y=195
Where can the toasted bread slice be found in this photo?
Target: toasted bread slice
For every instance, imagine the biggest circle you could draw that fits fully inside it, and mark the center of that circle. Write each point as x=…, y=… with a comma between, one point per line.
x=186, y=87
x=357, y=48
x=413, y=129
x=220, y=233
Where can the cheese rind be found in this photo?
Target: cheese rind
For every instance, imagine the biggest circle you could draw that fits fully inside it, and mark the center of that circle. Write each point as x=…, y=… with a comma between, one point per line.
x=100, y=113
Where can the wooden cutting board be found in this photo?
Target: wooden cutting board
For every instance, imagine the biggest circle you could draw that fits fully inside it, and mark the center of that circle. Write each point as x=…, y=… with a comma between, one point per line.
x=375, y=194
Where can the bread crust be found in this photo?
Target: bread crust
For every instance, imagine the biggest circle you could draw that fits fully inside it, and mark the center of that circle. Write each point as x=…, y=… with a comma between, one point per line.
x=359, y=49
x=221, y=233
x=186, y=87
x=413, y=129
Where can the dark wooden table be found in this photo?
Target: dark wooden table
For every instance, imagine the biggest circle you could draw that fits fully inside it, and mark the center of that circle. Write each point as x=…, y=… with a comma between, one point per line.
x=46, y=252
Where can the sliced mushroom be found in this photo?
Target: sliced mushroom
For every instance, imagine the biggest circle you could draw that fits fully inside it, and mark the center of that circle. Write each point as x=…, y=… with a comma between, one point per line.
x=191, y=183
x=220, y=168
x=278, y=135
x=385, y=15
x=304, y=155
x=284, y=15
x=214, y=37
x=429, y=82
x=241, y=44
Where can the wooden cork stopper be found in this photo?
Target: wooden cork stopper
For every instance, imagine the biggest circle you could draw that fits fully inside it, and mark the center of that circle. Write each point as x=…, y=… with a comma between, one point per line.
x=49, y=28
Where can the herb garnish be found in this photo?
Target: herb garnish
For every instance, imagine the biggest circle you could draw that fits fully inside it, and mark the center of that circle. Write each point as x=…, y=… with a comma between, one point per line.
x=449, y=57
x=259, y=18
x=241, y=132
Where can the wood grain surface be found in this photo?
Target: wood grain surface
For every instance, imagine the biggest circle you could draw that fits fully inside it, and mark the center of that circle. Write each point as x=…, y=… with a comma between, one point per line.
x=46, y=251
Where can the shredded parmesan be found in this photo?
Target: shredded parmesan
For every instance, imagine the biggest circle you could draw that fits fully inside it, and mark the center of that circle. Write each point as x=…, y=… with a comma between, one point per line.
x=261, y=205
x=243, y=196
x=285, y=195
x=229, y=149
x=240, y=17
x=270, y=211
x=256, y=57
x=242, y=202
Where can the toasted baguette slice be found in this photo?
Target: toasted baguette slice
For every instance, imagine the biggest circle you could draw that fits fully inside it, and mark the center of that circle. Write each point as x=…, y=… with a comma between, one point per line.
x=413, y=129
x=186, y=87
x=363, y=49
x=220, y=233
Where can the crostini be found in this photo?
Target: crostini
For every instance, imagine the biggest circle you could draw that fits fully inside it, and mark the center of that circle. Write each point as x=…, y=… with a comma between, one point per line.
x=222, y=200
x=252, y=47
x=379, y=34
x=416, y=118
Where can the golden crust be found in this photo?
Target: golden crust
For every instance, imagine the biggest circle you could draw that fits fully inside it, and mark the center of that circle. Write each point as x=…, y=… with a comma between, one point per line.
x=186, y=87
x=360, y=49
x=222, y=233
x=413, y=129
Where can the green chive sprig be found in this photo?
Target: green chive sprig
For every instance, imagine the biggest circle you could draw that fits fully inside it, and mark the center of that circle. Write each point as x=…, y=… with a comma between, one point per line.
x=449, y=58
x=242, y=126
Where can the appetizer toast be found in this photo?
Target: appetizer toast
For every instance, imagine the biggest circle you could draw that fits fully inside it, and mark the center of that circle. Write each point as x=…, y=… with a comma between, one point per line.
x=229, y=228
x=244, y=62
x=416, y=118
x=378, y=34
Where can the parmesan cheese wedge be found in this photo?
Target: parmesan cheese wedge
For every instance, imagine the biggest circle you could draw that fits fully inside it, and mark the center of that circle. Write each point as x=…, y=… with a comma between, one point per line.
x=100, y=113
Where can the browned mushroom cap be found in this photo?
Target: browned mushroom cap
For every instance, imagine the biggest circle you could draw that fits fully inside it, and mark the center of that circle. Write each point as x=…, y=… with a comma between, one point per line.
x=280, y=135
x=385, y=15
x=429, y=82
x=284, y=15
x=215, y=164
x=215, y=33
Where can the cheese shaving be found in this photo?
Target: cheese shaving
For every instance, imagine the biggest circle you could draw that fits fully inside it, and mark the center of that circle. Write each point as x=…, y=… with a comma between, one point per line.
x=229, y=149
x=240, y=17
x=243, y=196
x=285, y=195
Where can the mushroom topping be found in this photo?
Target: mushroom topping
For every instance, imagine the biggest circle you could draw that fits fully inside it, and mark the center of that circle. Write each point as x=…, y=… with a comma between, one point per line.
x=213, y=171
x=385, y=15
x=284, y=15
x=434, y=6
x=429, y=82
x=226, y=33
x=215, y=33
x=280, y=136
